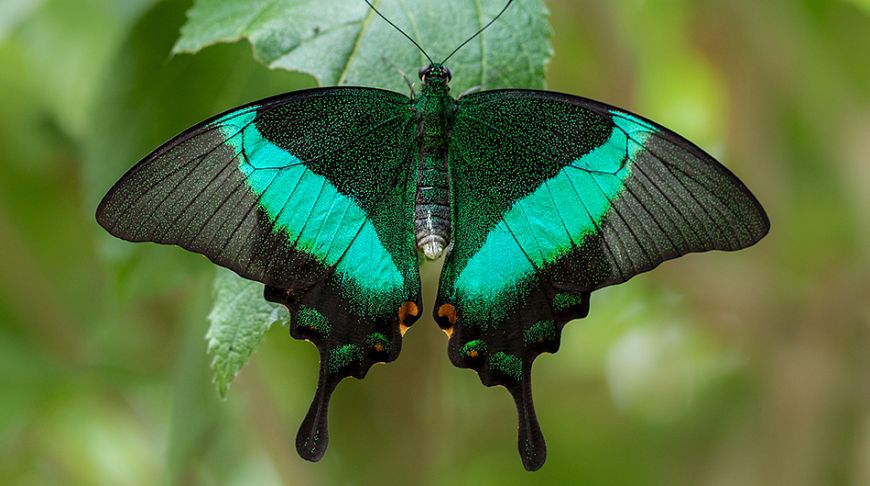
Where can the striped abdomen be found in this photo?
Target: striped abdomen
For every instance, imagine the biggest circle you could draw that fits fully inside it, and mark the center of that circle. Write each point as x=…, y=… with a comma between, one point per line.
x=432, y=209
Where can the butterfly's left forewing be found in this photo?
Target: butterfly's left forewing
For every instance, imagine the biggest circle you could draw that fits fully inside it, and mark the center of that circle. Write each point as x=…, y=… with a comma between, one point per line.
x=311, y=193
x=553, y=197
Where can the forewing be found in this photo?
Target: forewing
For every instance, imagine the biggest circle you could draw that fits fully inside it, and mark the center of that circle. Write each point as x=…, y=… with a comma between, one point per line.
x=311, y=193
x=555, y=196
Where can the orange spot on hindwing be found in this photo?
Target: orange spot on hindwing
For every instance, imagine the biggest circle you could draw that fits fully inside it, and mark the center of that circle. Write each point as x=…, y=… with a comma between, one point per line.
x=407, y=309
x=449, y=312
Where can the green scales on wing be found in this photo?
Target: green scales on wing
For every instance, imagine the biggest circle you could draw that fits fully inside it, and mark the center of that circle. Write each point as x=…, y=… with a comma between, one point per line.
x=555, y=196
x=538, y=198
x=311, y=193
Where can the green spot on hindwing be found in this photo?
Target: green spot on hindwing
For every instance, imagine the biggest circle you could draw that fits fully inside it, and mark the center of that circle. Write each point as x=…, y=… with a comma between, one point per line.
x=473, y=349
x=540, y=332
x=343, y=356
x=564, y=300
x=507, y=364
x=375, y=340
x=311, y=319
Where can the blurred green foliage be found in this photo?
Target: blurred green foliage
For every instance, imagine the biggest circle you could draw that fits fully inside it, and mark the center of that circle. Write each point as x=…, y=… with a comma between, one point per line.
x=747, y=368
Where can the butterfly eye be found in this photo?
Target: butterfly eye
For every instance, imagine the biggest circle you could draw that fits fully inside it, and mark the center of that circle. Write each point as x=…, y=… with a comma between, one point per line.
x=447, y=73
x=424, y=71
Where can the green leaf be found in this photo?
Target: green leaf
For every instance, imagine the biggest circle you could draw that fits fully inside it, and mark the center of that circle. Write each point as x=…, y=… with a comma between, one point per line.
x=239, y=318
x=344, y=42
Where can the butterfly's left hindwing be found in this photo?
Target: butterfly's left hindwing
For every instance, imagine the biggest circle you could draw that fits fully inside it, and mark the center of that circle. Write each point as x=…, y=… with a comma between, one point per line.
x=311, y=193
x=553, y=197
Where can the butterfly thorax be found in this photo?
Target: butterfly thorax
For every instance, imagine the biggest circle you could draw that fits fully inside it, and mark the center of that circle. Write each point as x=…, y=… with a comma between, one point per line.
x=435, y=110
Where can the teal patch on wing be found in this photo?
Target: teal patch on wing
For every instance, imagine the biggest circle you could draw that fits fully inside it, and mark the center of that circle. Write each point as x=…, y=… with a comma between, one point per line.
x=528, y=237
x=312, y=214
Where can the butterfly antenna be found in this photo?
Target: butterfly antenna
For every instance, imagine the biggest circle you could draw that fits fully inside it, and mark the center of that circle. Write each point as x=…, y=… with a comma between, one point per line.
x=478, y=32
x=401, y=31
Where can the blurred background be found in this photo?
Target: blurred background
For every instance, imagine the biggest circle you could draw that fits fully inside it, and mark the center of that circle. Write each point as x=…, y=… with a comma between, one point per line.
x=715, y=369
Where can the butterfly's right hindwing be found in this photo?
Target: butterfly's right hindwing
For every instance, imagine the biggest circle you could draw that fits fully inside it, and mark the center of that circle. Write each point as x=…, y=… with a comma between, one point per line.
x=311, y=193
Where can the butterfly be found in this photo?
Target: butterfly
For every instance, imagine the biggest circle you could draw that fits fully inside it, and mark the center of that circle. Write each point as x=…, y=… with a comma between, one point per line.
x=329, y=196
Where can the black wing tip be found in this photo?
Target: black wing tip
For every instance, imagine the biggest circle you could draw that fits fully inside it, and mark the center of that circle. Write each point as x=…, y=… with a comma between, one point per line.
x=103, y=213
x=758, y=233
x=109, y=221
x=102, y=218
x=764, y=220
x=755, y=219
x=756, y=224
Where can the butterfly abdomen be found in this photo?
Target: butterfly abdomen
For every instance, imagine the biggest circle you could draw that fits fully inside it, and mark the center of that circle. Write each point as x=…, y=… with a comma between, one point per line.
x=432, y=208
x=432, y=204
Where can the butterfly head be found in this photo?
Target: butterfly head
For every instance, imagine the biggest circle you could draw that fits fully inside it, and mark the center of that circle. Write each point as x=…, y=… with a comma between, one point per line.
x=435, y=74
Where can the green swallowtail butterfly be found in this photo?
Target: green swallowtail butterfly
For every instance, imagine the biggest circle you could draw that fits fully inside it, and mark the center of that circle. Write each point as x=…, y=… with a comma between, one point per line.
x=536, y=199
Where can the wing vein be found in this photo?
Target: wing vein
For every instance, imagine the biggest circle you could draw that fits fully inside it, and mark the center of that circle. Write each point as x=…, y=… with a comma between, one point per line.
x=597, y=228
